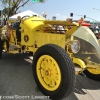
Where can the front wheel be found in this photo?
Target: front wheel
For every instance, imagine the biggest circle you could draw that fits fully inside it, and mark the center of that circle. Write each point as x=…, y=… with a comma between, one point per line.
x=93, y=73
x=53, y=71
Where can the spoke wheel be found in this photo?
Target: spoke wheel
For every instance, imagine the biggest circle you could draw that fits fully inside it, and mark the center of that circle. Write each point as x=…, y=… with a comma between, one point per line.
x=53, y=71
x=93, y=73
x=48, y=72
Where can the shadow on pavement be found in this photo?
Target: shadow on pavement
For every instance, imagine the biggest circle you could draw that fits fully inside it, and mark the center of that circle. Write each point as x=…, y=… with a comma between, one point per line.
x=16, y=78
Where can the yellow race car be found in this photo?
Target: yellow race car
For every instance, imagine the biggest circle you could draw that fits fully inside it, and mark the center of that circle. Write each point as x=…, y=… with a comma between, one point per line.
x=60, y=49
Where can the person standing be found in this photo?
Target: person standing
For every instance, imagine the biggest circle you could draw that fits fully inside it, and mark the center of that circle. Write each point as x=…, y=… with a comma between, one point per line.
x=44, y=14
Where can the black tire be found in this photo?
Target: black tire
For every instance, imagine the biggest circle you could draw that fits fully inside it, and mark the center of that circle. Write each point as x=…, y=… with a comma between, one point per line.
x=92, y=76
x=67, y=70
x=0, y=48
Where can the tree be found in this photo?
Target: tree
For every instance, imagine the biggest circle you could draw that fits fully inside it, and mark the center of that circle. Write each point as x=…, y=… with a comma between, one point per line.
x=12, y=6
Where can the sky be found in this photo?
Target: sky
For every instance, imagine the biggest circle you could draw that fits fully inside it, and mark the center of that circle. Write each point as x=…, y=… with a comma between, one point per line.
x=62, y=9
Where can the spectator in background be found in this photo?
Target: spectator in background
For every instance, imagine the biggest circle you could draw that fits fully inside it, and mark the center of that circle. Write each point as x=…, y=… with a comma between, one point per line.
x=4, y=21
x=2, y=24
x=98, y=36
x=44, y=15
x=69, y=20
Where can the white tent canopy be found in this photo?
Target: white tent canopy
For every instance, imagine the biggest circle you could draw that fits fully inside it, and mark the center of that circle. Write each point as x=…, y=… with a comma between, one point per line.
x=25, y=13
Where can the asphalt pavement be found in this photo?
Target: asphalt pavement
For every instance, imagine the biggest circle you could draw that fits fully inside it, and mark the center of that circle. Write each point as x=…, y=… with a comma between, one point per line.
x=16, y=81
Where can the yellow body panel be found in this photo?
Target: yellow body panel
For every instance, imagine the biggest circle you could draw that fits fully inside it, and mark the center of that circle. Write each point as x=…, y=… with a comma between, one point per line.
x=48, y=38
x=13, y=36
x=34, y=28
x=79, y=62
x=32, y=22
x=40, y=39
x=71, y=31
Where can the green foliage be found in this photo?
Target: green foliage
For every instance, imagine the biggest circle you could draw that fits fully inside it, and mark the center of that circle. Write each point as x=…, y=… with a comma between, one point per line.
x=12, y=6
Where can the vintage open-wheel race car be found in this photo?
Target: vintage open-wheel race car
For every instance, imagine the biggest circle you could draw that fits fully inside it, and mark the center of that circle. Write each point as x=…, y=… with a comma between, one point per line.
x=60, y=49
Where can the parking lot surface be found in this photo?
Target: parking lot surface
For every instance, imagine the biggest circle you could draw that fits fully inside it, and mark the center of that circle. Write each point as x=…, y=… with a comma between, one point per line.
x=16, y=78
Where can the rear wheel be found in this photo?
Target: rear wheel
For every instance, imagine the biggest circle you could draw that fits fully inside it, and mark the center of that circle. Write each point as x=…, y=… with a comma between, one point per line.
x=53, y=71
x=93, y=73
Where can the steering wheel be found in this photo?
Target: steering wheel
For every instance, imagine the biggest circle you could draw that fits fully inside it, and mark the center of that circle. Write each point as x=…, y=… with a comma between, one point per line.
x=24, y=17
